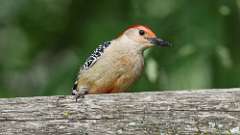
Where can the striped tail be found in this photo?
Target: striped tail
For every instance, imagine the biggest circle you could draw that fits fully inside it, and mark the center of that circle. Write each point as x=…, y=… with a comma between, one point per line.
x=74, y=88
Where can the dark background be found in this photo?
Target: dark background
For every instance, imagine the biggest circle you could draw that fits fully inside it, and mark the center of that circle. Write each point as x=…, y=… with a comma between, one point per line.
x=44, y=42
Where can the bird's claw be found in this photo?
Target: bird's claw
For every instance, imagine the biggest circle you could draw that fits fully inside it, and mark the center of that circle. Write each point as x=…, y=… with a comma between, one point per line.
x=79, y=94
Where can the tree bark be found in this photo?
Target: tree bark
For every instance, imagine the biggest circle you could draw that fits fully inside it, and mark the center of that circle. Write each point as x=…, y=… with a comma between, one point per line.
x=147, y=113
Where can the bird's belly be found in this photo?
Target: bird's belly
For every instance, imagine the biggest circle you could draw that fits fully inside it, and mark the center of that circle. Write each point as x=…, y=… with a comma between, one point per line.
x=117, y=76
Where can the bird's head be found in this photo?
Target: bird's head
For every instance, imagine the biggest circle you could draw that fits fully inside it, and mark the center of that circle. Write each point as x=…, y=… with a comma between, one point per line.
x=144, y=37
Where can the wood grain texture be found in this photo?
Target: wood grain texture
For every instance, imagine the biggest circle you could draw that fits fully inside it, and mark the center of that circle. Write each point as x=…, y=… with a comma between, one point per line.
x=147, y=113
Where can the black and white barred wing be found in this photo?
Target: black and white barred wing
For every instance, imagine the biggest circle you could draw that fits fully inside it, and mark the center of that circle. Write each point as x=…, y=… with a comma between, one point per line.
x=90, y=61
x=97, y=53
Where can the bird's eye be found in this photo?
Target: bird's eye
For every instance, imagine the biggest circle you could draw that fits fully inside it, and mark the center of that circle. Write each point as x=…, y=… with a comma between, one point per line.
x=141, y=32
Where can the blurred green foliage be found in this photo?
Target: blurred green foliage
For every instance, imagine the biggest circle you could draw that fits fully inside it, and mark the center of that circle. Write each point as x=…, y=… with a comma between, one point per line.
x=44, y=42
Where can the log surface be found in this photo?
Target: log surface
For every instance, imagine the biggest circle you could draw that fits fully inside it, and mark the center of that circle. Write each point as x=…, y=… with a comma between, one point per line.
x=146, y=113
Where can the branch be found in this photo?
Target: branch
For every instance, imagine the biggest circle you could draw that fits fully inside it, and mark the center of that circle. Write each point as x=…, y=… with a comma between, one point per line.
x=179, y=112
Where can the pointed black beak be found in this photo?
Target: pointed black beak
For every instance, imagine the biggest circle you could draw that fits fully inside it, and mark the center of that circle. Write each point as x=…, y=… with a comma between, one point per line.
x=160, y=42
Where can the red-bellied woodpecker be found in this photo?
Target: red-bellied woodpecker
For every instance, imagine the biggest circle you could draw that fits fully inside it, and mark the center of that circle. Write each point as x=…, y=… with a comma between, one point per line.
x=116, y=64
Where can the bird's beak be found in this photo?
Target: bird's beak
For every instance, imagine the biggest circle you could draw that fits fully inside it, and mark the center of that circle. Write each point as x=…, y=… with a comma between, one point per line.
x=159, y=42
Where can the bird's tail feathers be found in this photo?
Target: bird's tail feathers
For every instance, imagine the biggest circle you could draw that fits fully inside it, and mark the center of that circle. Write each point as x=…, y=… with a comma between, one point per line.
x=74, y=88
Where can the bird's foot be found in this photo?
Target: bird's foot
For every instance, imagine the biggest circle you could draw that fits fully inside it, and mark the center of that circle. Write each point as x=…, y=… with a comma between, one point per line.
x=79, y=94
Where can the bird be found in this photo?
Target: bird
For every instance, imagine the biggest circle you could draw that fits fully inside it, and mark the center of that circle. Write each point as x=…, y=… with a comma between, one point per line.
x=116, y=64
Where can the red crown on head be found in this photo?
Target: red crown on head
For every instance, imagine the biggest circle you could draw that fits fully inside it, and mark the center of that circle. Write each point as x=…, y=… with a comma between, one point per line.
x=141, y=27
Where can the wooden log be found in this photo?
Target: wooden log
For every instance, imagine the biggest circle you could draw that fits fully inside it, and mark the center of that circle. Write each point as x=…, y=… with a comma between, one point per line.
x=146, y=113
